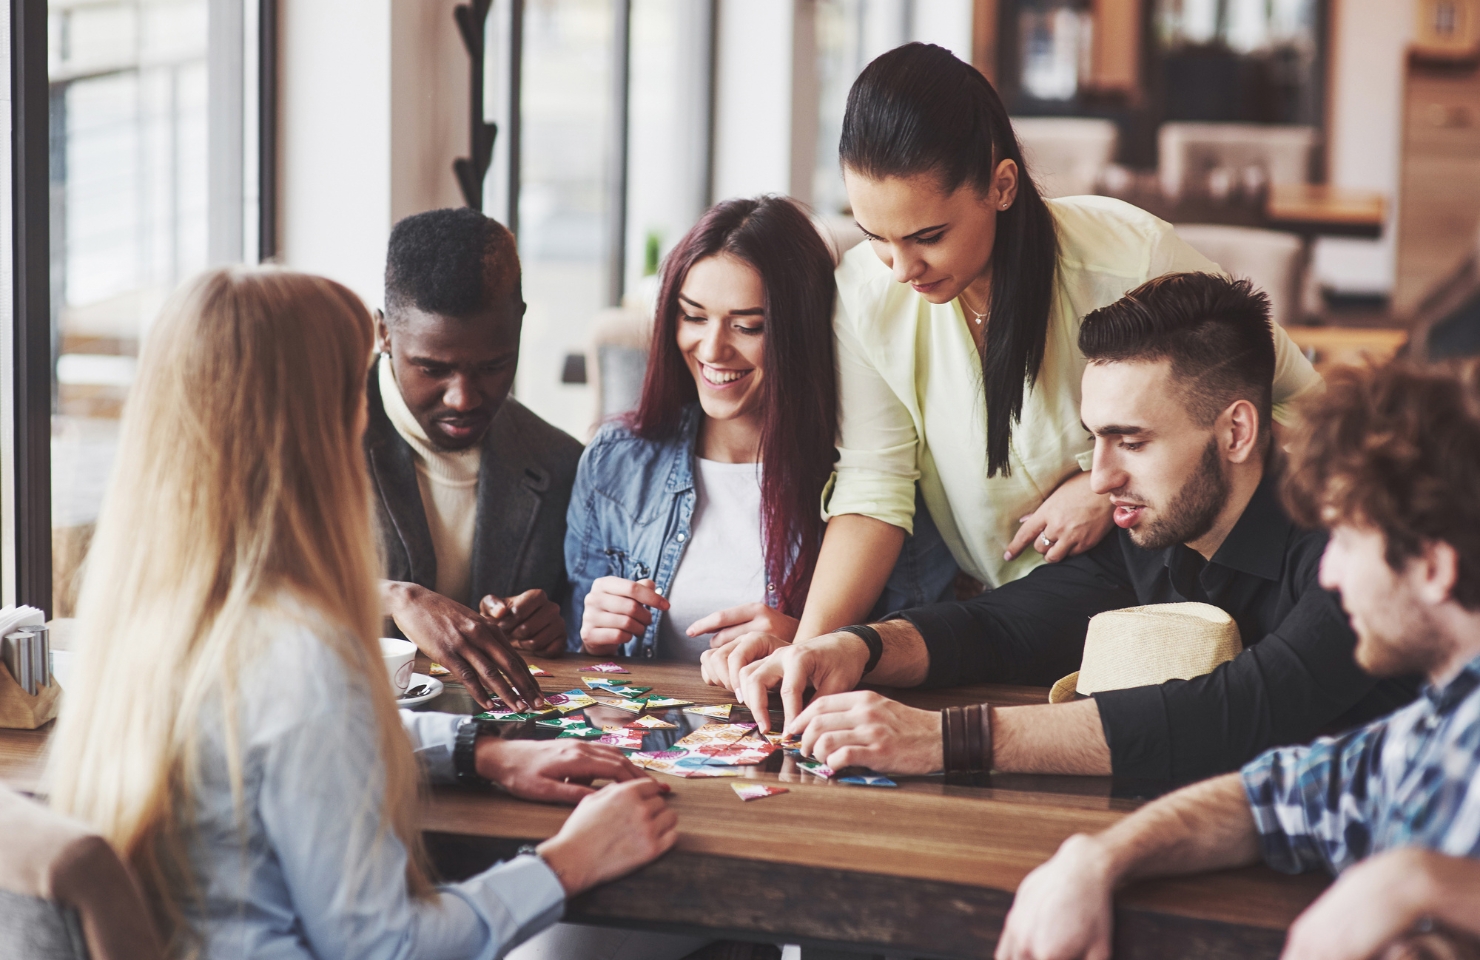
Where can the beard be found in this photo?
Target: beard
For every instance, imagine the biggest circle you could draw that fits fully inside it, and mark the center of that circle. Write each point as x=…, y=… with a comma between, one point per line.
x=1403, y=644
x=1193, y=510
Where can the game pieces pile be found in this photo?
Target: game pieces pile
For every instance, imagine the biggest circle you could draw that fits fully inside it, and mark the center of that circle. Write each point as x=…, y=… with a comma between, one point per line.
x=717, y=749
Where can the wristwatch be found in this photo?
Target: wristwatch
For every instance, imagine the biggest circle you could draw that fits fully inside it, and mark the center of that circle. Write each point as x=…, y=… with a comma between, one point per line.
x=464, y=754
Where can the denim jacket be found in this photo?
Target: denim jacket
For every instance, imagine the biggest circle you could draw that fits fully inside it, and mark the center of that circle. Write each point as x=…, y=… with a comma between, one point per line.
x=630, y=514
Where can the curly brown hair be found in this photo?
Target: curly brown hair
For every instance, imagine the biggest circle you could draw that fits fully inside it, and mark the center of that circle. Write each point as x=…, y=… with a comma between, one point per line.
x=1396, y=448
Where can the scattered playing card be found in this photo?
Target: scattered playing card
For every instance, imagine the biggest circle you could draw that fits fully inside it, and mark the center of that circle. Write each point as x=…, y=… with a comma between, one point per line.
x=680, y=763
x=653, y=723
x=605, y=668
x=535, y=671
x=869, y=780
x=631, y=706
x=506, y=715
x=721, y=712
x=569, y=700
x=583, y=732
x=816, y=768
x=715, y=734
x=629, y=740
x=631, y=693
x=660, y=703
x=756, y=791
x=562, y=722
x=437, y=670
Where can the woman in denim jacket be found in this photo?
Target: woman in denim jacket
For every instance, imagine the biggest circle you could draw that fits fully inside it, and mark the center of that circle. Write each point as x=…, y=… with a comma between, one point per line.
x=698, y=513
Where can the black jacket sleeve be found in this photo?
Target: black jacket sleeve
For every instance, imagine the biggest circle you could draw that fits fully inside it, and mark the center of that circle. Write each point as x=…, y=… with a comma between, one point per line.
x=1029, y=631
x=1282, y=689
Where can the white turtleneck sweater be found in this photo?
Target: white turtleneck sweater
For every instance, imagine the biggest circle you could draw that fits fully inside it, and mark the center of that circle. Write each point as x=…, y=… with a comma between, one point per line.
x=448, y=480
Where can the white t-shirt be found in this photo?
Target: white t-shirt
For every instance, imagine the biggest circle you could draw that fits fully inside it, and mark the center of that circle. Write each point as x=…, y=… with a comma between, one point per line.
x=723, y=563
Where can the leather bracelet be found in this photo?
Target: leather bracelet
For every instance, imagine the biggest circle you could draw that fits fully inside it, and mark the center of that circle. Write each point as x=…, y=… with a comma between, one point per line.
x=966, y=738
x=465, y=756
x=871, y=638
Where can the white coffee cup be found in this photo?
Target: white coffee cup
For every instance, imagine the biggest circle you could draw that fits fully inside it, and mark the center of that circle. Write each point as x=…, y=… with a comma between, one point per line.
x=400, y=661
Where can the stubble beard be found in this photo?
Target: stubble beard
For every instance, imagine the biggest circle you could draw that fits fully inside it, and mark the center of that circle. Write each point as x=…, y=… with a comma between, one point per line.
x=1194, y=509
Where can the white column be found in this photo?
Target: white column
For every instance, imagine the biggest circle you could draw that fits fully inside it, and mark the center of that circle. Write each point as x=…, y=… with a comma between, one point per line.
x=373, y=111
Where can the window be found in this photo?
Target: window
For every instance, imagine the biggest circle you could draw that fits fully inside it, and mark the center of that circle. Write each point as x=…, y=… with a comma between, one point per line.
x=152, y=162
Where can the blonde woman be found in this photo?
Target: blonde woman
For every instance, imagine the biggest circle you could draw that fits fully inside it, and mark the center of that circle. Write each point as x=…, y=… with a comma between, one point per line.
x=231, y=730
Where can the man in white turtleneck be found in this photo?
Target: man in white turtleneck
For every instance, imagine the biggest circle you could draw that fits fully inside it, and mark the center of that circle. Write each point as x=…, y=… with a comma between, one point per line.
x=472, y=488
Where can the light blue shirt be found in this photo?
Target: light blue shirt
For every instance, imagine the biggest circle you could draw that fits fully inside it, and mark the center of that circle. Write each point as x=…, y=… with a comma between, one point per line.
x=303, y=869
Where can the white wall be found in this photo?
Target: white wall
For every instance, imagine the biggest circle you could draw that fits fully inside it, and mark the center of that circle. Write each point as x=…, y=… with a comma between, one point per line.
x=373, y=110
x=1371, y=37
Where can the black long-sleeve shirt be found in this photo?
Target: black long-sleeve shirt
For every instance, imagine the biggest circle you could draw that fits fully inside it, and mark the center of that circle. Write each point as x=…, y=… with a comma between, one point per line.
x=1294, y=679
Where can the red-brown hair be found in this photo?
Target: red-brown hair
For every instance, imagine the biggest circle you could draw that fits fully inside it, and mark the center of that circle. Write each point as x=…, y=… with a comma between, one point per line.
x=1396, y=448
x=799, y=393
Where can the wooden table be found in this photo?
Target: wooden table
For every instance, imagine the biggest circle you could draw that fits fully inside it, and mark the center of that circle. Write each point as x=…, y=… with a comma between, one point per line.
x=923, y=870
x=1310, y=210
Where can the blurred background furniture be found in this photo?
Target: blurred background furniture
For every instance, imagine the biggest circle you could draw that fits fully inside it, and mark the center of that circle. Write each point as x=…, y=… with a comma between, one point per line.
x=1273, y=261
x=1066, y=155
x=1446, y=323
x=1214, y=158
x=1439, y=187
x=64, y=893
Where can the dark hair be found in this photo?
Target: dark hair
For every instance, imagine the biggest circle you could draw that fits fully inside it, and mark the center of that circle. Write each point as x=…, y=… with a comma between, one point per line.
x=919, y=110
x=1396, y=448
x=799, y=391
x=453, y=262
x=1214, y=330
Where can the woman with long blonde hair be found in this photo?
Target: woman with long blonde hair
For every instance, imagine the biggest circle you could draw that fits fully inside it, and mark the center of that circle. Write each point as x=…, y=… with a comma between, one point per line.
x=231, y=729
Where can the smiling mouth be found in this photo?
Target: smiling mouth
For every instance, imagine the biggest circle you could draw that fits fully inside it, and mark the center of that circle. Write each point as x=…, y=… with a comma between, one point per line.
x=722, y=378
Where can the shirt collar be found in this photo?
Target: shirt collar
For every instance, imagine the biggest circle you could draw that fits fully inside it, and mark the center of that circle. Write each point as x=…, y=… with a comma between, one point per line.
x=1256, y=544
x=1450, y=695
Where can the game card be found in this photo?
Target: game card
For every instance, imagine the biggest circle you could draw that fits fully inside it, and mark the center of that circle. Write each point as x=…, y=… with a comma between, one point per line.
x=605, y=668
x=721, y=712
x=652, y=723
x=757, y=791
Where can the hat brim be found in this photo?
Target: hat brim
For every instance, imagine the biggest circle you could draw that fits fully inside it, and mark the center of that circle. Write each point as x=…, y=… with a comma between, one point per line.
x=1064, y=690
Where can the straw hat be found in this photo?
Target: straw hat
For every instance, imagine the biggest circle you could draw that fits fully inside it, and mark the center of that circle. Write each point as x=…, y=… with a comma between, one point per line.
x=1140, y=646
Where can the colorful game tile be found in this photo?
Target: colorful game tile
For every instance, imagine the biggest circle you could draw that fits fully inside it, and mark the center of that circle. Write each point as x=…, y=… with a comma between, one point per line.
x=816, y=768
x=535, y=671
x=757, y=791
x=605, y=668
x=630, y=740
x=721, y=712
x=437, y=670
x=569, y=700
x=631, y=693
x=661, y=703
x=582, y=732
x=562, y=722
x=652, y=723
x=631, y=706
x=869, y=780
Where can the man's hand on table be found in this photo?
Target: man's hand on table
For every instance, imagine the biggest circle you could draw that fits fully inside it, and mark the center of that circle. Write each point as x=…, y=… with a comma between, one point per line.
x=864, y=729
x=531, y=621
x=832, y=663
x=466, y=643
x=550, y=771
x=1063, y=909
x=1372, y=904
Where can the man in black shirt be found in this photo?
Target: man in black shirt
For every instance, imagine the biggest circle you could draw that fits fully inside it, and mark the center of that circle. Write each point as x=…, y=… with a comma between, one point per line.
x=1177, y=396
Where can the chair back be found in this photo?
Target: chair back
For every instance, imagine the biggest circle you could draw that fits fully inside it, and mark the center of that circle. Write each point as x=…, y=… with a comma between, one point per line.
x=1274, y=262
x=1066, y=155
x=1188, y=152
x=64, y=893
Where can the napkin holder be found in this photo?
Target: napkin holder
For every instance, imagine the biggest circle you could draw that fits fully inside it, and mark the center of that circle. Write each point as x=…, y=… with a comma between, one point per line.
x=20, y=710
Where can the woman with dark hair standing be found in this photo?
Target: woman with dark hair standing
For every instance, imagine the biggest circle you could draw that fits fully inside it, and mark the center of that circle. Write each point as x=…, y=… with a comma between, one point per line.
x=697, y=514
x=956, y=339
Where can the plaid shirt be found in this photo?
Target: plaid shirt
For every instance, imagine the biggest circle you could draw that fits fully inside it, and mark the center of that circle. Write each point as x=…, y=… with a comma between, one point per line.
x=1409, y=779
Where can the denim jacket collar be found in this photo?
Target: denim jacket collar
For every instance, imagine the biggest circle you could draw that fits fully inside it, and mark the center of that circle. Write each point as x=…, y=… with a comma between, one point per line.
x=681, y=476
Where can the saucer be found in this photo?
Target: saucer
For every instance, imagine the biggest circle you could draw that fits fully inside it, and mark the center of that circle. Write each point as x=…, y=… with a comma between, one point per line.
x=432, y=694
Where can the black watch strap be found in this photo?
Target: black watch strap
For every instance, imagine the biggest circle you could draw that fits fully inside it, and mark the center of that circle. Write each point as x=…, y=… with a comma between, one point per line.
x=464, y=753
x=871, y=638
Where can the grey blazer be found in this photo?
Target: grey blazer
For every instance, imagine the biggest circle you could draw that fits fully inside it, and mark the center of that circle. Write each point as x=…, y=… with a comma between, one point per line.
x=524, y=486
